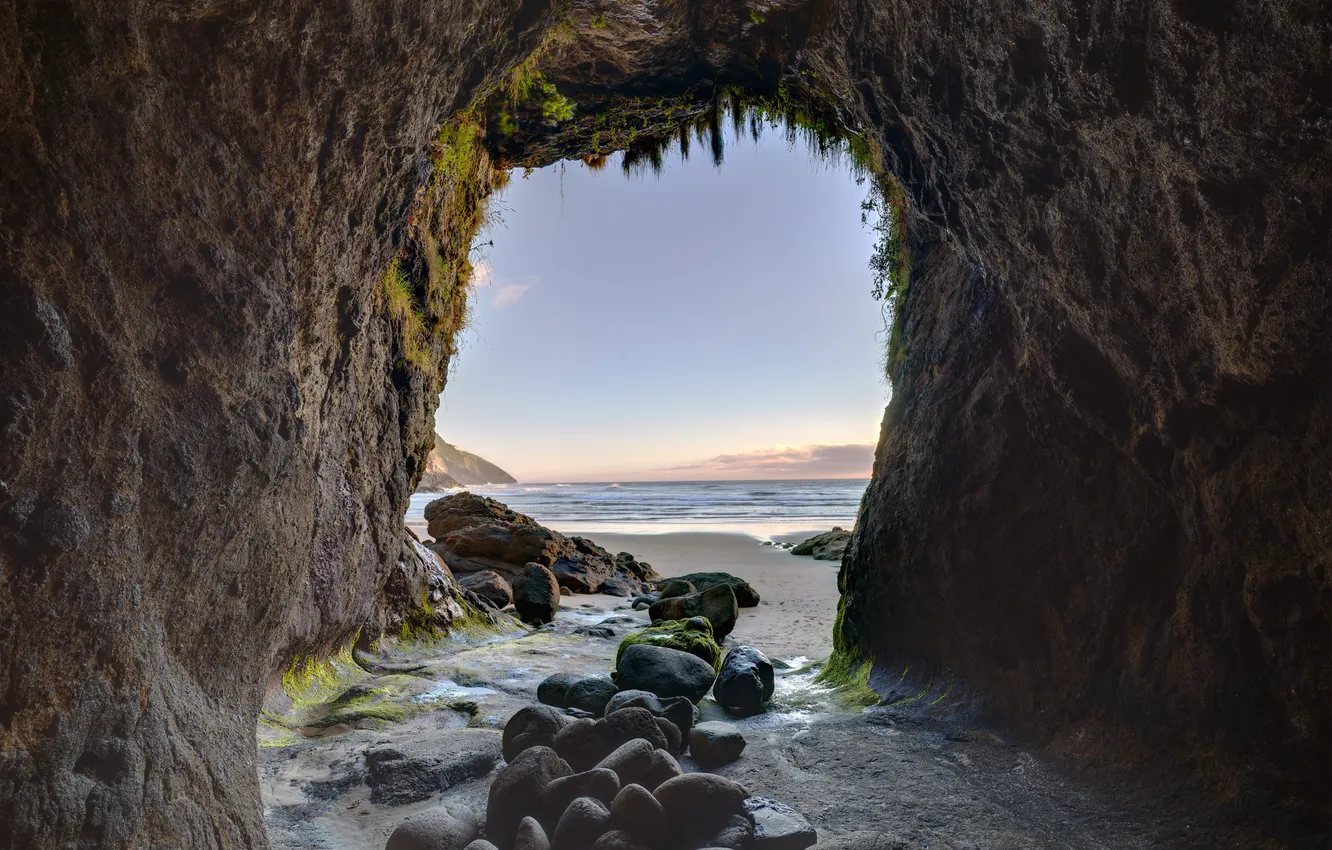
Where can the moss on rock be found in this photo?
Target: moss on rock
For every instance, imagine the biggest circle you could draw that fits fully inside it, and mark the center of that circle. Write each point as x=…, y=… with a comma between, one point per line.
x=692, y=636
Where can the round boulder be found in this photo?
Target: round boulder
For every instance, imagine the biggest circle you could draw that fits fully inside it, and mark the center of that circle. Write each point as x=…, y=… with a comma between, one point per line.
x=745, y=682
x=699, y=804
x=717, y=604
x=531, y=835
x=584, y=743
x=715, y=743
x=437, y=829
x=536, y=595
x=635, y=810
x=664, y=672
x=516, y=792
x=630, y=761
x=554, y=690
x=531, y=726
x=583, y=822
x=679, y=710
x=598, y=783
x=673, y=587
x=591, y=695
x=664, y=768
x=693, y=636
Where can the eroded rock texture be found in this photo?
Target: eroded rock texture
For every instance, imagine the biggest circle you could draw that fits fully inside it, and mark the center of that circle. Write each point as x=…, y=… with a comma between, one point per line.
x=1102, y=491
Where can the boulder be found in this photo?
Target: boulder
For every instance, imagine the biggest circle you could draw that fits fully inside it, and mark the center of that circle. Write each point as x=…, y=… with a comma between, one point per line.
x=717, y=604
x=678, y=710
x=554, y=690
x=516, y=792
x=480, y=844
x=828, y=546
x=630, y=761
x=618, y=839
x=598, y=783
x=531, y=835
x=675, y=740
x=636, y=811
x=584, y=743
x=665, y=672
x=536, y=595
x=530, y=726
x=411, y=770
x=699, y=804
x=489, y=585
x=745, y=682
x=670, y=587
x=715, y=743
x=597, y=631
x=737, y=834
x=583, y=822
x=437, y=829
x=473, y=534
x=693, y=636
x=777, y=826
x=591, y=694
x=664, y=768
x=745, y=595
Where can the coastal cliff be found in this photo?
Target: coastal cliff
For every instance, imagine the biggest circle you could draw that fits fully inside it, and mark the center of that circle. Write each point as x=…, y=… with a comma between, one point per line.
x=234, y=248
x=460, y=467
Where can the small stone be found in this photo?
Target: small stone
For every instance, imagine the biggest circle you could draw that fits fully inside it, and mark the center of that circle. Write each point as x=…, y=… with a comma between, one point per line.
x=583, y=822
x=531, y=835
x=591, y=694
x=554, y=690
x=715, y=743
x=735, y=835
x=598, y=783
x=631, y=760
x=437, y=829
x=516, y=791
x=777, y=826
x=635, y=809
x=664, y=768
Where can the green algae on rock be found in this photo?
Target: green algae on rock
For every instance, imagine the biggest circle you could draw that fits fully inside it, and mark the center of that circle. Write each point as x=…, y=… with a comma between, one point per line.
x=693, y=636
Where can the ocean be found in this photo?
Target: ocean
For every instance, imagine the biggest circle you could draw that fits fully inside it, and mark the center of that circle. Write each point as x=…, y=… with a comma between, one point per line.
x=760, y=509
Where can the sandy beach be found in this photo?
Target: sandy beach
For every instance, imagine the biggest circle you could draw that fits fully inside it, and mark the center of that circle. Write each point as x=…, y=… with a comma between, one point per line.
x=799, y=595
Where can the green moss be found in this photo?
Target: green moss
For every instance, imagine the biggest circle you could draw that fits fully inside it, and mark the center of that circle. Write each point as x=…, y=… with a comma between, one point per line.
x=406, y=314
x=313, y=680
x=598, y=21
x=848, y=670
x=678, y=634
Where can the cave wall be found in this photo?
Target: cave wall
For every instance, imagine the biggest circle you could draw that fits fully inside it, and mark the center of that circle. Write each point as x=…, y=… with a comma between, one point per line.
x=209, y=433
x=1101, y=488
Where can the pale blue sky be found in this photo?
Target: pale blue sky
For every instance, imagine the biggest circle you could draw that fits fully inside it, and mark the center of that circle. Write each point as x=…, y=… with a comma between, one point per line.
x=707, y=323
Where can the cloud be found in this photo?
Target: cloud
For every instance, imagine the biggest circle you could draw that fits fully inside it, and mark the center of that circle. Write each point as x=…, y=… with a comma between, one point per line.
x=482, y=274
x=509, y=293
x=844, y=460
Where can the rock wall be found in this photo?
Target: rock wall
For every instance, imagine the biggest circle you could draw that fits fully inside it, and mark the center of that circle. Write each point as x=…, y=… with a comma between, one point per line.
x=210, y=432
x=1102, y=488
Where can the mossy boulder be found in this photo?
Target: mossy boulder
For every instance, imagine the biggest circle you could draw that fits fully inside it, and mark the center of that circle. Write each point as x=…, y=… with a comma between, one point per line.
x=693, y=636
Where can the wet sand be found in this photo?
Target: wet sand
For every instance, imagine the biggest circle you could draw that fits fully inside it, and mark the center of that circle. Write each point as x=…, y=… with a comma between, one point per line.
x=798, y=595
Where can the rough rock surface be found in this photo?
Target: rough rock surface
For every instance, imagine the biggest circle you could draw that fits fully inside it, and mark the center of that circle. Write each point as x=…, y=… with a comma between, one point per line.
x=717, y=605
x=536, y=596
x=828, y=546
x=745, y=682
x=474, y=533
x=489, y=585
x=745, y=594
x=665, y=672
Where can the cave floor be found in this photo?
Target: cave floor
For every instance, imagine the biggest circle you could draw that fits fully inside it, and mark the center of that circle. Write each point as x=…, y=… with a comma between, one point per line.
x=432, y=715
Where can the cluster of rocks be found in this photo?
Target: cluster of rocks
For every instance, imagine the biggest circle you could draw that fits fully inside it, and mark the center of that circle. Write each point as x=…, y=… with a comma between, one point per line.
x=475, y=534
x=609, y=784
x=718, y=597
x=829, y=546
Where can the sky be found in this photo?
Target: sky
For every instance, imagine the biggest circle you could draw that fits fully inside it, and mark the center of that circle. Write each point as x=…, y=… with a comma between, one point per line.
x=706, y=323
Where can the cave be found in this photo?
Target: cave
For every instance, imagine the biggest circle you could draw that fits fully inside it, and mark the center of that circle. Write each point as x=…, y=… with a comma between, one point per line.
x=235, y=242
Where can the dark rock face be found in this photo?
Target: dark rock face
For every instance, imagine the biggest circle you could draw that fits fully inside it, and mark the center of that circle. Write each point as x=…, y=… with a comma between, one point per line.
x=664, y=671
x=490, y=586
x=745, y=682
x=474, y=533
x=536, y=596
